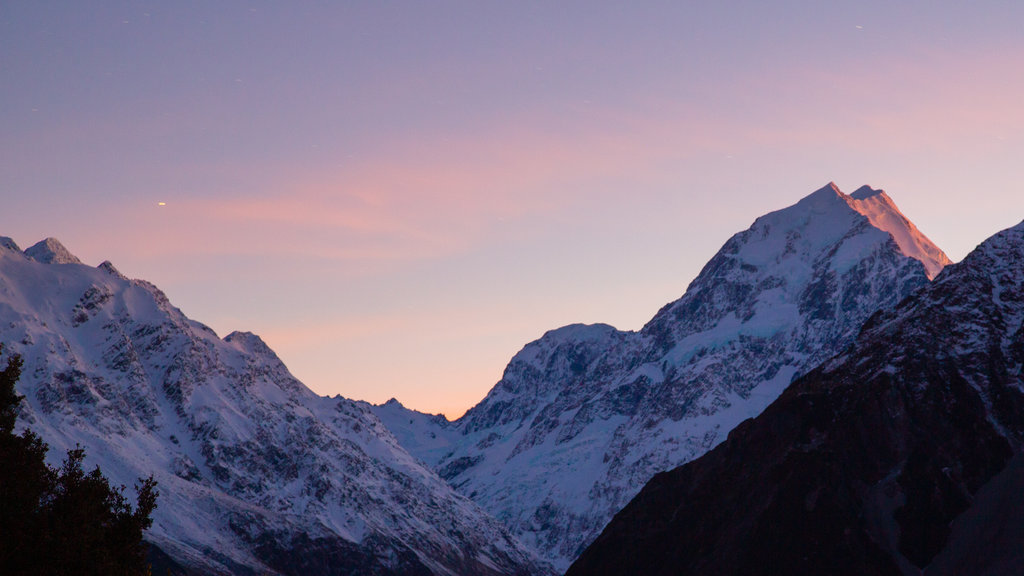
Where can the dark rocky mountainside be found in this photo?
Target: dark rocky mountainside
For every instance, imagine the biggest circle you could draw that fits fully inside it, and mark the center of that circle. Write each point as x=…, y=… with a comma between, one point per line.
x=902, y=455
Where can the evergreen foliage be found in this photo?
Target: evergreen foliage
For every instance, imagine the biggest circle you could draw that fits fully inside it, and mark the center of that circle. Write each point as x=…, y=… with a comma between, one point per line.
x=64, y=520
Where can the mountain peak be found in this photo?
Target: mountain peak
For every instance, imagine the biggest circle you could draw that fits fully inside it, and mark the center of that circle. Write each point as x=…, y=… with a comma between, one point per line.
x=883, y=214
x=250, y=343
x=866, y=191
x=51, y=251
x=9, y=244
x=875, y=205
x=821, y=199
x=815, y=222
x=108, y=267
x=829, y=189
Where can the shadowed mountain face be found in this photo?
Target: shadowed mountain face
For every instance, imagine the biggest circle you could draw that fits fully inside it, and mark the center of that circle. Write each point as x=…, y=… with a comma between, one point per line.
x=585, y=415
x=257, y=474
x=902, y=454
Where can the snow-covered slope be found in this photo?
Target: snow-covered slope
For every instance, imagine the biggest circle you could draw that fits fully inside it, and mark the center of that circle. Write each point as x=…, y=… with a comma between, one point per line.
x=883, y=214
x=585, y=415
x=257, y=474
x=904, y=454
x=429, y=436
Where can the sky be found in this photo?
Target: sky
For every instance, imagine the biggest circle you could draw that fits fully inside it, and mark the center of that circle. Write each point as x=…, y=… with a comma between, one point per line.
x=398, y=196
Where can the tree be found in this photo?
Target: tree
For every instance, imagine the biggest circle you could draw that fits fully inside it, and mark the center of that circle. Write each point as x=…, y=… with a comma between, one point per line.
x=63, y=521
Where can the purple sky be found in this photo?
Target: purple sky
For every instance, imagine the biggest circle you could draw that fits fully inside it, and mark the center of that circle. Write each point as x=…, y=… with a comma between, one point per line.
x=399, y=196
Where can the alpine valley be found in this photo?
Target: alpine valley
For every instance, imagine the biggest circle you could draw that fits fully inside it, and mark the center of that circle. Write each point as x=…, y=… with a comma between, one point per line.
x=586, y=415
x=257, y=474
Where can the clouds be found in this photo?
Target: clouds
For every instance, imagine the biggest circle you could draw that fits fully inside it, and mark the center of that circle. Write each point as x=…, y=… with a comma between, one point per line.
x=423, y=199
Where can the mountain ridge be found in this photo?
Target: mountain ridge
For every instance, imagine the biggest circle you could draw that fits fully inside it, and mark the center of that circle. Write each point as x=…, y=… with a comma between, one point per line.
x=585, y=415
x=257, y=473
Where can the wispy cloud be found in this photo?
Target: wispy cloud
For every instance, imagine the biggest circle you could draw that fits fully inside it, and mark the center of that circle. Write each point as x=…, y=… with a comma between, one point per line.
x=424, y=200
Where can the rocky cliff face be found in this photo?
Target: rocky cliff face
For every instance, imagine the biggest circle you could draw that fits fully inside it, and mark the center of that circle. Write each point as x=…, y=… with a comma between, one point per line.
x=584, y=416
x=257, y=474
x=902, y=455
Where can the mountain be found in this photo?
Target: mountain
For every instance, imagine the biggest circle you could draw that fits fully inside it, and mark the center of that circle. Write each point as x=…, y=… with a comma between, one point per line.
x=257, y=474
x=585, y=415
x=904, y=454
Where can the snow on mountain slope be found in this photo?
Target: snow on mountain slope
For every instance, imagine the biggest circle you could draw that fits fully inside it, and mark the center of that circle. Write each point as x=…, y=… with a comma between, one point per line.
x=51, y=251
x=883, y=214
x=904, y=454
x=584, y=416
x=257, y=474
x=429, y=436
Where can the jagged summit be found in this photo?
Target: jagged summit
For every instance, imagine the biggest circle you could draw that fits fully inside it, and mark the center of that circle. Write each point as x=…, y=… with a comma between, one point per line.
x=785, y=251
x=8, y=243
x=820, y=216
x=882, y=212
x=51, y=251
x=830, y=189
x=108, y=267
x=826, y=198
x=865, y=191
x=249, y=342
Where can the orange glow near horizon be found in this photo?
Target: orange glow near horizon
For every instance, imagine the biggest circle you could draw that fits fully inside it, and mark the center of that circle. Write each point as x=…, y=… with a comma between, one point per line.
x=402, y=199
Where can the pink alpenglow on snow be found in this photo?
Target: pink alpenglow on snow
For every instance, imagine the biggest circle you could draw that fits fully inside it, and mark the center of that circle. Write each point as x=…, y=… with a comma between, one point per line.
x=880, y=210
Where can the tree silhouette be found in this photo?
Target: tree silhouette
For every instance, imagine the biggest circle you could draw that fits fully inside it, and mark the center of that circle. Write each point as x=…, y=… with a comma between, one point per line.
x=64, y=520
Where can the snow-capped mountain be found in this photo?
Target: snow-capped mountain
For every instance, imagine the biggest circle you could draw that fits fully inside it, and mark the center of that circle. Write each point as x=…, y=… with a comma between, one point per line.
x=904, y=454
x=257, y=474
x=585, y=415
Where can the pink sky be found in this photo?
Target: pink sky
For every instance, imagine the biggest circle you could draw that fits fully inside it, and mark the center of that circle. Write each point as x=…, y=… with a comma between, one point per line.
x=398, y=198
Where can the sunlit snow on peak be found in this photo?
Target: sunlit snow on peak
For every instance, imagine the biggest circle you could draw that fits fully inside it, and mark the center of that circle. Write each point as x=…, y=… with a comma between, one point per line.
x=883, y=214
